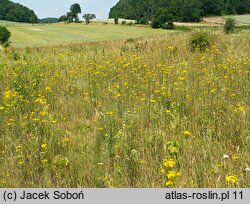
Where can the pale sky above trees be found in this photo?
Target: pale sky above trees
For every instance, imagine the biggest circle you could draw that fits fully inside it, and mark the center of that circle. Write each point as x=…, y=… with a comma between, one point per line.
x=56, y=8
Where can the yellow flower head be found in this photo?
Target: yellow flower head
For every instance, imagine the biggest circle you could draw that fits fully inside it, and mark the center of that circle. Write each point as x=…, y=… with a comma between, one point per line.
x=163, y=170
x=168, y=111
x=186, y=133
x=169, y=163
x=235, y=158
x=20, y=163
x=232, y=179
x=173, y=174
x=169, y=183
x=44, y=161
x=44, y=146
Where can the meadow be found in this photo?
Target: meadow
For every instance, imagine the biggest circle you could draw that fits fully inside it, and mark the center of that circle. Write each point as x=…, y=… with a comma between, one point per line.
x=28, y=35
x=146, y=112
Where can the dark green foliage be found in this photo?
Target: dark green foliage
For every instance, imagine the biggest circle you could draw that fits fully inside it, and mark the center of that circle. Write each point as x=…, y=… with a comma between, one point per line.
x=49, y=20
x=229, y=26
x=88, y=17
x=161, y=17
x=144, y=11
x=16, y=12
x=116, y=20
x=200, y=41
x=63, y=18
x=75, y=9
x=124, y=22
x=4, y=36
x=229, y=9
x=168, y=26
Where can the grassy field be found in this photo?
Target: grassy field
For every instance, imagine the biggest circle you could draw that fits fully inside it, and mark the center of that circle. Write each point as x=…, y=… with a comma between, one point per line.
x=62, y=34
x=242, y=18
x=144, y=112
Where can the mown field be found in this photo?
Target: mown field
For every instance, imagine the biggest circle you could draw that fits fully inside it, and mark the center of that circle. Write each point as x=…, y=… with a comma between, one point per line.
x=28, y=35
x=242, y=18
x=144, y=112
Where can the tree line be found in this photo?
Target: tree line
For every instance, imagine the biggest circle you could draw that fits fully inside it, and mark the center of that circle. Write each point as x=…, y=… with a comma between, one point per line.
x=144, y=11
x=11, y=11
x=73, y=15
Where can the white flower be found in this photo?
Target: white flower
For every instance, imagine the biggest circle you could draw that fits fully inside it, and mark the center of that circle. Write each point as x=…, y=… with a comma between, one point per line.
x=225, y=156
x=247, y=169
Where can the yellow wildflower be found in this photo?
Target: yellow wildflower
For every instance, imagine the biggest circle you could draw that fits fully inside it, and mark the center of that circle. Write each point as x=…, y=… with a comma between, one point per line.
x=241, y=108
x=1, y=107
x=186, y=133
x=44, y=146
x=44, y=161
x=232, y=179
x=20, y=163
x=235, y=158
x=169, y=163
x=168, y=111
x=169, y=183
x=173, y=174
x=66, y=139
x=109, y=113
x=142, y=161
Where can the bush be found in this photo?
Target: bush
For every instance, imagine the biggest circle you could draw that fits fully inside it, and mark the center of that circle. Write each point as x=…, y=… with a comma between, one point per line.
x=229, y=26
x=130, y=23
x=200, y=41
x=124, y=22
x=4, y=36
x=156, y=23
x=169, y=25
x=116, y=20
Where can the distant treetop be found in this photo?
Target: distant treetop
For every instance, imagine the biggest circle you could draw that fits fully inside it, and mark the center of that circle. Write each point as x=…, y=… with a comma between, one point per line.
x=11, y=11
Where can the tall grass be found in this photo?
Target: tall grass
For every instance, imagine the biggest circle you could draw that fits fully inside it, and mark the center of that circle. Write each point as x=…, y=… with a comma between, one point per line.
x=145, y=113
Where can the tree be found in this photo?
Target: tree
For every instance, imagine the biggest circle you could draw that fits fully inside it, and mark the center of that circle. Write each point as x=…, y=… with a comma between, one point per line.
x=229, y=9
x=88, y=17
x=63, y=18
x=70, y=16
x=4, y=36
x=75, y=9
x=229, y=26
x=11, y=11
x=116, y=20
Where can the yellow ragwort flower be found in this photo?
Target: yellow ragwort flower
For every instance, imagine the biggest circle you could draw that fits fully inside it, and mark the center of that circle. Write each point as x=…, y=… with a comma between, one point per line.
x=169, y=163
x=186, y=133
x=44, y=161
x=232, y=179
x=235, y=158
x=44, y=146
x=169, y=183
x=173, y=174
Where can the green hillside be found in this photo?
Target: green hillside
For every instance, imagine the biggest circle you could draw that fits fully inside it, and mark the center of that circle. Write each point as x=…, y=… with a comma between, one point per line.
x=61, y=34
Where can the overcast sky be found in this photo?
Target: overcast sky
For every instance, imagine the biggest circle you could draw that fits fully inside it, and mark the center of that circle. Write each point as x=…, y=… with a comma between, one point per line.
x=56, y=8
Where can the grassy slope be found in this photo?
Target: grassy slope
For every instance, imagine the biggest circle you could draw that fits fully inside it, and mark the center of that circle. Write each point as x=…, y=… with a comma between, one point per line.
x=47, y=35
x=242, y=18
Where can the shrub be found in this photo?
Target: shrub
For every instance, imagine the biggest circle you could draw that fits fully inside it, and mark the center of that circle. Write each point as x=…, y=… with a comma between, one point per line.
x=130, y=23
x=4, y=36
x=169, y=25
x=200, y=41
x=156, y=23
x=229, y=26
x=124, y=22
x=116, y=20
